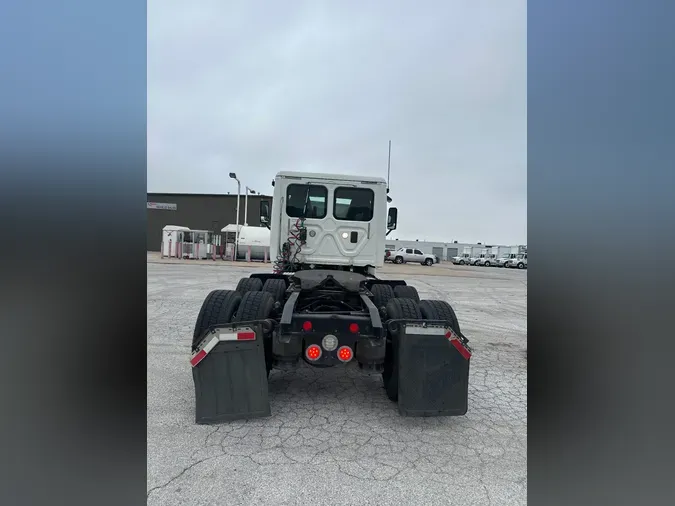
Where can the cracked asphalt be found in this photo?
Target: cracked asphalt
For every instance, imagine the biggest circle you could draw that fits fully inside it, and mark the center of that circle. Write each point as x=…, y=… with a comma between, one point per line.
x=334, y=438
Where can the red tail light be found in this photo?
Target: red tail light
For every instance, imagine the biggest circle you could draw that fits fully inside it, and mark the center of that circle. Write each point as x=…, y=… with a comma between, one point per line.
x=345, y=354
x=307, y=326
x=353, y=328
x=313, y=352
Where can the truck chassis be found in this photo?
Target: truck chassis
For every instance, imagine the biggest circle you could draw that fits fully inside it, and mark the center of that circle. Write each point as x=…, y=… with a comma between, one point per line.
x=326, y=318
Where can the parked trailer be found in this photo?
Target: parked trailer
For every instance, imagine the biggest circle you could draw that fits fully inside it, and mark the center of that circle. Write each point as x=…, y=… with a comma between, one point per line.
x=324, y=305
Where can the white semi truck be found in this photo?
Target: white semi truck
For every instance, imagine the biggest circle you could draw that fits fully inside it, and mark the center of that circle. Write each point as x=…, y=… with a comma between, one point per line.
x=323, y=305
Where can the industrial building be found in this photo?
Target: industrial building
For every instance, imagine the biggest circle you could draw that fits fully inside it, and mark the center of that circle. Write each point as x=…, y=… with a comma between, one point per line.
x=215, y=211
x=198, y=212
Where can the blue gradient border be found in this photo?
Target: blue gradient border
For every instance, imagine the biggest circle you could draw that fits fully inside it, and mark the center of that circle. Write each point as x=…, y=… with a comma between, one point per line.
x=73, y=298
x=601, y=181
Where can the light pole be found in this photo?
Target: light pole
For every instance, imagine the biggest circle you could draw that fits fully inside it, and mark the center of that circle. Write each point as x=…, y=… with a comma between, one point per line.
x=246, y=205
x=236, y=237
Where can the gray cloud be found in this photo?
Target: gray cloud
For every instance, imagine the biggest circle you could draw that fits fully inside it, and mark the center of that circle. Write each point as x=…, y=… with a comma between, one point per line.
x=256, y=87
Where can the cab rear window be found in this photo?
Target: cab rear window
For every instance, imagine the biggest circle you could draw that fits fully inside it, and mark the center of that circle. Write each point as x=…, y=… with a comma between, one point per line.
x=308, y=200
x=353, y=204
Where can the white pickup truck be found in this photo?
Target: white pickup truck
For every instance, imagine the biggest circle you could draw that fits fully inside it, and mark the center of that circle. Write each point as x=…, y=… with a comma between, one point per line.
x=412, y=255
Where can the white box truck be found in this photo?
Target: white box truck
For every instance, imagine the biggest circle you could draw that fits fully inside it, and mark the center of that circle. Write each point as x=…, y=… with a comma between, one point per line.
x=464, y=258
x=519, y=261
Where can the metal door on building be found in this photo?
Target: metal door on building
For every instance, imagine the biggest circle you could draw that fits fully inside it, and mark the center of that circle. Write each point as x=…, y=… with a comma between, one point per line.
x=452, y=252
x=438, y=253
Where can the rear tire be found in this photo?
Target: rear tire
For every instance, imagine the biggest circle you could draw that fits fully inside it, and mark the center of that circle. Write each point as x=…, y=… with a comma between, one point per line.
x=397, y=309
x=249, y=285
x=406, y=292
x=276, y=287
x=521, y=265
x=257, y=306
x=398, y=260
x=382, y=294
x=461, y=262
x=439, y=310
x=217, y=309
x=487, y=264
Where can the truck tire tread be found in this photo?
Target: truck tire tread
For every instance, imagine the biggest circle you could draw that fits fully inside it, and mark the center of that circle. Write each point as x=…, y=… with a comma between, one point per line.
x=439, y=310
x=406, y=292
x=254, y=306
x=218, y=307
x=257, y=306
x=275, y=287
x=249, y=285
x=382, y=294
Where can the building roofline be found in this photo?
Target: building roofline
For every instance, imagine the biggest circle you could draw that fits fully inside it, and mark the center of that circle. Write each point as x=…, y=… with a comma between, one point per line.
x=171, y=194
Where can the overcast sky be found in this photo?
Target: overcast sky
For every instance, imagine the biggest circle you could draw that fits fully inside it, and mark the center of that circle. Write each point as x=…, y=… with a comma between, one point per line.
x=255, y=87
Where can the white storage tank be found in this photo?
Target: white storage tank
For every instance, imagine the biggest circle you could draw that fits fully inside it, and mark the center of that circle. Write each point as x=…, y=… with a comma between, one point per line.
x=255, y=238
x=171, y=235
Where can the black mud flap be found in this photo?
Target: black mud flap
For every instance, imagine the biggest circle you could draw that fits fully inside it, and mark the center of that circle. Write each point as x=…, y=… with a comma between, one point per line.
x=229, y=373
x=433, y=366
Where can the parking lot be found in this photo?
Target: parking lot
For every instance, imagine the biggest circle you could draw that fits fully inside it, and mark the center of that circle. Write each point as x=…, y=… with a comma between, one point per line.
x=334, y=438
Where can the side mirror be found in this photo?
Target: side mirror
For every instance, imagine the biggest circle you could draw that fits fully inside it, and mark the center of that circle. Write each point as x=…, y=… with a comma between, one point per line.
x=265, y=212
x=392, y=216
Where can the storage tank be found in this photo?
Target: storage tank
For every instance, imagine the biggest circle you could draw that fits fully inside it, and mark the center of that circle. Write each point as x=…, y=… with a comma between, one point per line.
x=257, y=238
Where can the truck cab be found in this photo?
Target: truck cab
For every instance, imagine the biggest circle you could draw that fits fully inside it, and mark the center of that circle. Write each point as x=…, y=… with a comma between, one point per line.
x=487, y=258
x=505, y=258
x=478, y=257
x=328, y=221
x=518, y=262
x=464, y=258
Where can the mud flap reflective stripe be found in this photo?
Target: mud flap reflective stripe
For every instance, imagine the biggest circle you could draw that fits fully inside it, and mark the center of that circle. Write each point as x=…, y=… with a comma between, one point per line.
x=433, y=366
x=454, y=339
x=230, y=376
x=242, y=334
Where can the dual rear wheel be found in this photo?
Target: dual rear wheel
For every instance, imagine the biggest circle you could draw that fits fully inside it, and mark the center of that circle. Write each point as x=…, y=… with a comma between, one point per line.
x=252, y=300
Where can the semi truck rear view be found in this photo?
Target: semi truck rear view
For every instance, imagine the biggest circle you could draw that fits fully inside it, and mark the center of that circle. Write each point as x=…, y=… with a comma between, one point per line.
x=324, y=306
